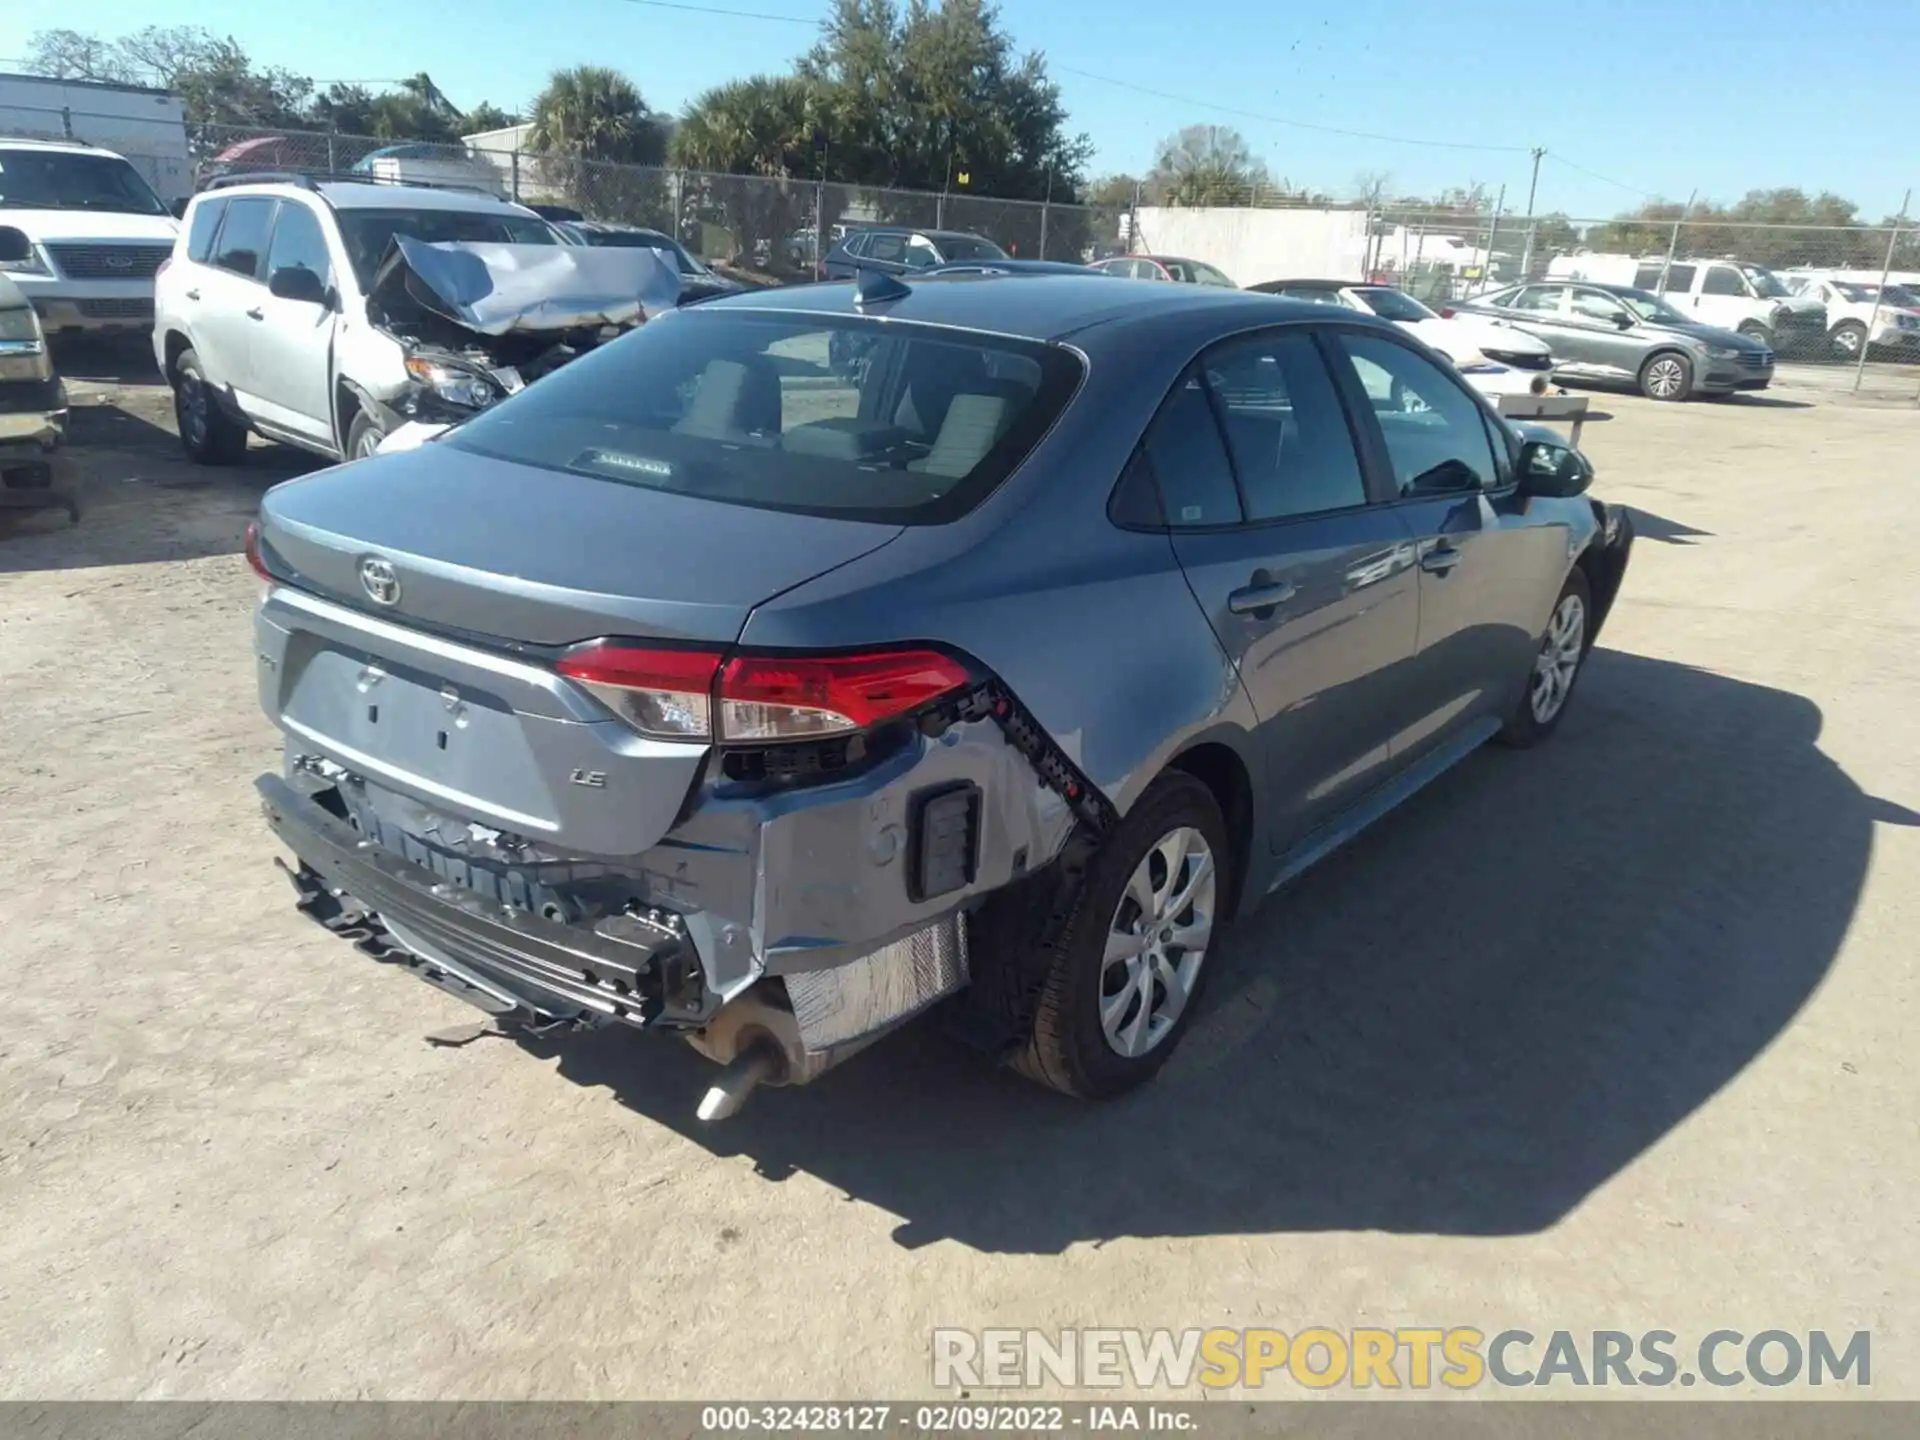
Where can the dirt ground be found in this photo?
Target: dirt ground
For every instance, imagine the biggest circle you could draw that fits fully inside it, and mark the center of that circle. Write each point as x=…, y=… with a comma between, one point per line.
x=1614, y=1034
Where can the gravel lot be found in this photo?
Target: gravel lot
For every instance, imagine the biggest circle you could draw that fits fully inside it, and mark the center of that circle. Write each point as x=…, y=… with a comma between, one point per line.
x=1605, y=1035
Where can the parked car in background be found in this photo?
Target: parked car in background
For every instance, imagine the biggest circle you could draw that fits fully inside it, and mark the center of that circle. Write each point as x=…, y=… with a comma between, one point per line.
x=1857, y=310
x=96, y=232
x=1616, y=334
x=1013, y=267
x=897, y=250
x=326, y=314
x=1749, y=299
x=900, y=666
x=697, y=282
x=441, y=166
x=1164, y=267
x=1497, y=357
x=35, y=472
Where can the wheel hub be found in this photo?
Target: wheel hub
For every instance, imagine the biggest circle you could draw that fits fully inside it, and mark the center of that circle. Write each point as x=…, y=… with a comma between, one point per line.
x=1157, y=941
x=1560, y=654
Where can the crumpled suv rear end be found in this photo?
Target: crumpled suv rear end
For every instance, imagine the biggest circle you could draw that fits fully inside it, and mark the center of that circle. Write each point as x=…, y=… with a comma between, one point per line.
x=528, y=755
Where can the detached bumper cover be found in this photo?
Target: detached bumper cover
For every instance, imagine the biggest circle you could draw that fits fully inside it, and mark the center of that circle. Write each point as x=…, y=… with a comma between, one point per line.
x=556, y=970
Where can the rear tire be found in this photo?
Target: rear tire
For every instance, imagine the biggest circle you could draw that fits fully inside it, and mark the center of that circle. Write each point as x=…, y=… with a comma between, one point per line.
x=1666, y=375
x=208, y=434
x=1127, y=975
x=1556, y=665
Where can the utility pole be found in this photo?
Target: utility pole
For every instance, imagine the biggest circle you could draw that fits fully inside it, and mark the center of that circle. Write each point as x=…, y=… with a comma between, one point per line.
x=1674, y=243
x=1866, y=344
x=1526, y=249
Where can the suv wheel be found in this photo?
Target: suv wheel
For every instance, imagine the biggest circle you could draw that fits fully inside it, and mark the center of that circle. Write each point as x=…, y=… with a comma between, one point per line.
x=209, y=435
x=1128, y=972
x=1846, y=338
x=1754, y=330
x=363, y=437
x=1556, y=665
x=1667, y=375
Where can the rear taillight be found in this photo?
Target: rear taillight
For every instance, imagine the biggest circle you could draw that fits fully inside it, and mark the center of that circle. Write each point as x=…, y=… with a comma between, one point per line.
x=802, y=697
x=254, y=560
x=663, y=693
x=1446, y=312
x=691, y=695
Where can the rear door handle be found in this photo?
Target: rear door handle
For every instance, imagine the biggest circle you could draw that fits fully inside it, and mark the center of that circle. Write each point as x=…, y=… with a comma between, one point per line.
x=1440, y=559
x=193, y=294
x=1261, y=598
x=256, y=314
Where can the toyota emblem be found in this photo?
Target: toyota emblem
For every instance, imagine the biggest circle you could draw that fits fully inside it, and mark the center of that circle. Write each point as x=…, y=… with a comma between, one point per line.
x=378, y=579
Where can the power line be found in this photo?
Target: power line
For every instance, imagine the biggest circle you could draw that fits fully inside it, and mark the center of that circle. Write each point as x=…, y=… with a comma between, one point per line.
x=715, y=10
x=1560, y=159
x=1294, y=124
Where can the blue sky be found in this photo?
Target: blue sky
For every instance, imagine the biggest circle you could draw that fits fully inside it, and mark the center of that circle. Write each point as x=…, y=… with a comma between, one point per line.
x=1656, y=98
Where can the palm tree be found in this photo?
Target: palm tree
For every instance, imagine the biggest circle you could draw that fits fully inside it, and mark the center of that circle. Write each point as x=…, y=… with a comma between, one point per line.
x=593, y=113
x=759, y=126
x=762, y=127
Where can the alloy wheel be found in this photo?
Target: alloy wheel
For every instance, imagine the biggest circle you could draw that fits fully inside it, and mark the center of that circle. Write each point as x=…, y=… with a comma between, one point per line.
x=1559, y=658
x=1157, y=941
x=1665, y=378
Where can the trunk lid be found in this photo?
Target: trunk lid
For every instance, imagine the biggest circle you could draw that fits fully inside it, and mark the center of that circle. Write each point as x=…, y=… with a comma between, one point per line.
x=435, y=694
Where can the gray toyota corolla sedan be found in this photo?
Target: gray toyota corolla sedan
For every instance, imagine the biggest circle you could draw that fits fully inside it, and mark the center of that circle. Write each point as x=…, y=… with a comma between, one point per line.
x=710, y=686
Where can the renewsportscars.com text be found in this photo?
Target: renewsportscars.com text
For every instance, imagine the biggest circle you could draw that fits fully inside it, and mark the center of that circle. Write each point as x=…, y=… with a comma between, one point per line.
x=1415, y=1358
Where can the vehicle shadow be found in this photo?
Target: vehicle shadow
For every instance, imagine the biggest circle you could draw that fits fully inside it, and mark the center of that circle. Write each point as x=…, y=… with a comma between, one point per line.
x=1648, y=526
x=142, y=500
x=1462, y=1024
x=127, y=361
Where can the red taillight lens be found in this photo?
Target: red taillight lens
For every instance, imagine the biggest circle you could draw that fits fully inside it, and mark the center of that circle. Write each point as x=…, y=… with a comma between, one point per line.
x=253, y=554
x=798, y=697
x=1446, y=312
x=690, y=695
x=663, y=693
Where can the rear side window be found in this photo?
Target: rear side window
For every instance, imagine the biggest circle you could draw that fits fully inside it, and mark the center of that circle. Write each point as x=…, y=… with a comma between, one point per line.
x=243, y=238
x=1285, y=427
x=897, y=423
x=1190, y=461
x=205, y=224
x=1679, y=279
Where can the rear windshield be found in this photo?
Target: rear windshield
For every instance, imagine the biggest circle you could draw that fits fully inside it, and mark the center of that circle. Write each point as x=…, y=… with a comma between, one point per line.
x=819, y=415
x=368, y=232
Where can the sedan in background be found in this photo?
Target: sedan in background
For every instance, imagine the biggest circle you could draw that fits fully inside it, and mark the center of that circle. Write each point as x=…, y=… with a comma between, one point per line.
x=1617, y=334
x=898, y=250
x=697, y=282
x=1165, y=267
x=1497, y=358
x=1013, y=267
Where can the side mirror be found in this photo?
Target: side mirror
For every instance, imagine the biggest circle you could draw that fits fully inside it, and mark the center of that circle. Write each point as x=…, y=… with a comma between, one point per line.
x=14, y=245
x=1553, y=470
x=179, y=207
x=1623, y=320
x=296, y=282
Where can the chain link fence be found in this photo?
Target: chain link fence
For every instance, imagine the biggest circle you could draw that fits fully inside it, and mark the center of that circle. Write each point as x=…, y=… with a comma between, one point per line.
x=774, y=229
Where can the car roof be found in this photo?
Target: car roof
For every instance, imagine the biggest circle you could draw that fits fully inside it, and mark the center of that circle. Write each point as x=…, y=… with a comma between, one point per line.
x=1030, y=307
x=857, y=227
x=1272, y=285
x=56, y=147
x=372, y=195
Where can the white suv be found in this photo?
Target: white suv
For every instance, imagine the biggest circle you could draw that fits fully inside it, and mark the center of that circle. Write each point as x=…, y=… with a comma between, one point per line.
x=327, y=315
x=96, y=235
x=1859, y=308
